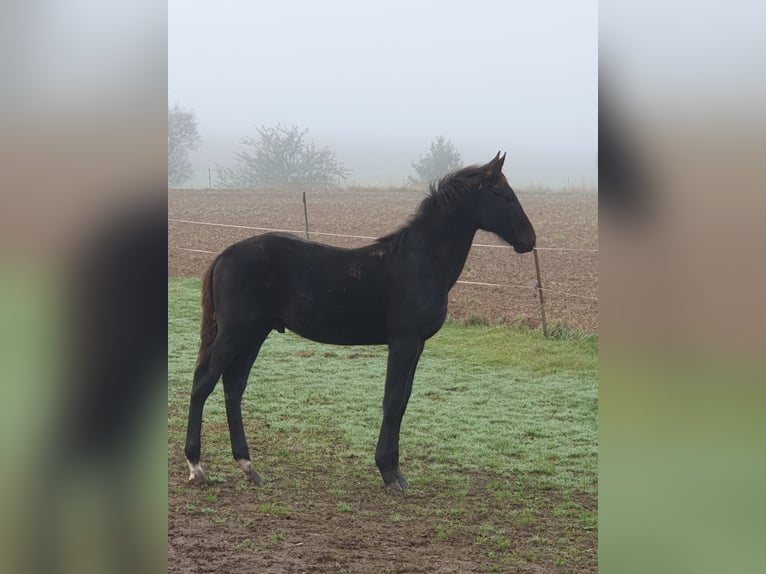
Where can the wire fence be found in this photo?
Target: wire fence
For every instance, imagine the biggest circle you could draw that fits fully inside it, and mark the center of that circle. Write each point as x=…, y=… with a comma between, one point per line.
x=370, y=237
x=538, y=287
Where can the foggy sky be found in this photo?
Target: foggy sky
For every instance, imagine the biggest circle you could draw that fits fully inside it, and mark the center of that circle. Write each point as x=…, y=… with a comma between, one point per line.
x=377, y=82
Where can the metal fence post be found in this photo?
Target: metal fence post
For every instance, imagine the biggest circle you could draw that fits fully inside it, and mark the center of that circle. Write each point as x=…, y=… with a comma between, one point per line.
x=306, y=215
x=539, y=288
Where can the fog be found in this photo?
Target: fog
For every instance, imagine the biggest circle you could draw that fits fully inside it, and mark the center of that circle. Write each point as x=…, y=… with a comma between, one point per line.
x=377, y=82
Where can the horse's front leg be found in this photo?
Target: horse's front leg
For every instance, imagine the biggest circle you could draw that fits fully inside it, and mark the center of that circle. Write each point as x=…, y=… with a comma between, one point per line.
x=403, y=355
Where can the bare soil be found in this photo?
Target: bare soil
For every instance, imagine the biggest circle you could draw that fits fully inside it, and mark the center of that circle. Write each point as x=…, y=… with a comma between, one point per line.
x=561, y=220
x=231, y=526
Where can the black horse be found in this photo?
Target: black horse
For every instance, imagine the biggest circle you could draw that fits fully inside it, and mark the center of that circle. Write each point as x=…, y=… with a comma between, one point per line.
x=392, y=292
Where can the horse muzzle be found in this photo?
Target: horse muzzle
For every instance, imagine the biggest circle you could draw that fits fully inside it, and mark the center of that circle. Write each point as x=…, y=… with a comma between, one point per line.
x=524, y=247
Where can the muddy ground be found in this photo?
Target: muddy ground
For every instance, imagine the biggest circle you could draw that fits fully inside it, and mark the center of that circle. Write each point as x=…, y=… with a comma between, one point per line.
x=233, y=527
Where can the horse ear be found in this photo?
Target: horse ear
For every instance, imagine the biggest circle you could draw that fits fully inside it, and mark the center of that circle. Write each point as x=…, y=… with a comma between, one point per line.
x=495, y=166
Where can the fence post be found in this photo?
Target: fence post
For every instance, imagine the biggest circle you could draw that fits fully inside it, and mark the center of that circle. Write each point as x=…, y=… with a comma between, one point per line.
x=306, y=215
x=209, y=179
x=539, y=288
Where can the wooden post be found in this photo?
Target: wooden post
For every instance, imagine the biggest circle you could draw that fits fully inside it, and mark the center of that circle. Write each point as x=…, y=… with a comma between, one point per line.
x=209, y=179
x=306, y=215
x=539, y=288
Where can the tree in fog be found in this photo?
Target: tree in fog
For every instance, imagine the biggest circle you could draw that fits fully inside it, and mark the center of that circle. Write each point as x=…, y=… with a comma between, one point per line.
x=441, y=159
x=281, y=156
x=182, y=138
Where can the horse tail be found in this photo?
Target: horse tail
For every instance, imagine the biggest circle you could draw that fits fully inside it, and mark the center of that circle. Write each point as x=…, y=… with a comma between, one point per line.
x=209, y=327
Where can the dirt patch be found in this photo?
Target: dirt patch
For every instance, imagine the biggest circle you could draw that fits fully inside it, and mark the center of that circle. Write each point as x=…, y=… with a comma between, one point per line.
x=561, y=221
x=482, y=525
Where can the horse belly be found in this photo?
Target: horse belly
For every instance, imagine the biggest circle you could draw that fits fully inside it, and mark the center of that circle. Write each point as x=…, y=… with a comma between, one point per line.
x=338, y=329
x=338, y=319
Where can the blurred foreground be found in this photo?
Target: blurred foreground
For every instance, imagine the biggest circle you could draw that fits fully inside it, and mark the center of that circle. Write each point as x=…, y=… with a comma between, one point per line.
x=682, y=143
x=82, y=264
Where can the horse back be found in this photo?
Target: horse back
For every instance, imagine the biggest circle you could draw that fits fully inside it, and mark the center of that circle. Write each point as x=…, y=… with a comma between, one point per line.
x=328, y=294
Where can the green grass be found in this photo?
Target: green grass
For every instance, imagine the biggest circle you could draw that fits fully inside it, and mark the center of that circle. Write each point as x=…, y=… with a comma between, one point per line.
x=491, y=399
x=344, y=507
x=275, y=508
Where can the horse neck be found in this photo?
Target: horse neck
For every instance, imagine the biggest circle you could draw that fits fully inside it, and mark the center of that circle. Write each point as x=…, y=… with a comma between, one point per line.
x=447, y=240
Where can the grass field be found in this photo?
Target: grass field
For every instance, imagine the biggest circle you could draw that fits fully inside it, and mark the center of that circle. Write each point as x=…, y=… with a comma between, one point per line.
x=499, y=441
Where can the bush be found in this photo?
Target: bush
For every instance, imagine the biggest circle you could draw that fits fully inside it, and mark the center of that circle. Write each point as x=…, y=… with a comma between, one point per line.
x=442, y=158
x=280, y=156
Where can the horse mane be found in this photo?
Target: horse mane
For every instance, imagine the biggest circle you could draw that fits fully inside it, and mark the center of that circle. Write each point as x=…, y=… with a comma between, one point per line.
x=443, y=196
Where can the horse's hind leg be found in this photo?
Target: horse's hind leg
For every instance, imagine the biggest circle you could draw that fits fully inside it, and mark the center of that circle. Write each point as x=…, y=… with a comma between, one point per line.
x=206, y=375
x=234, y=383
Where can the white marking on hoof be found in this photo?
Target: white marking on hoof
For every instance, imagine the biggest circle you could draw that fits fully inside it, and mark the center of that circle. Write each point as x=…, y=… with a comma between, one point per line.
x=250, y=472
x=196, y=475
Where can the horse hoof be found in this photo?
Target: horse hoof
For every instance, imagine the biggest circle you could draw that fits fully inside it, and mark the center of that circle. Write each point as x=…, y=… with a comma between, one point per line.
x=250, y=472
x=394, y=488
x=402, y=481
x=254, y=477
x=197, y=477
